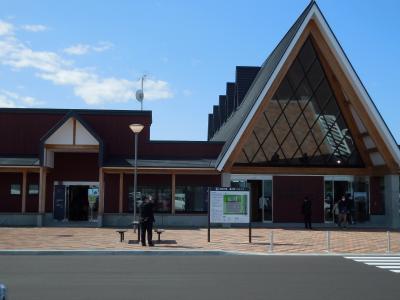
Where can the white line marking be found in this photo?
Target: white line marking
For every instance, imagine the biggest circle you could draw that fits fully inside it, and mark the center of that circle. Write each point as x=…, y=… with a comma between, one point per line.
x=373, y=257
x=382, y=264
x=377, y=260
x=395, y=271
x=389, y=267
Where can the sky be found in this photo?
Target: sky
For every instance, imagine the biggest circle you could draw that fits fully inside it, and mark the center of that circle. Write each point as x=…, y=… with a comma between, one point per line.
x=91, y=54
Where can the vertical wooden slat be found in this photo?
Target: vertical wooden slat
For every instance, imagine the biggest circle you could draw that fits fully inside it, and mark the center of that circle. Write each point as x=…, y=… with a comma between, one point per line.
x=24, y=175
x=173, y=193
x=121, y=192
x=42, y=190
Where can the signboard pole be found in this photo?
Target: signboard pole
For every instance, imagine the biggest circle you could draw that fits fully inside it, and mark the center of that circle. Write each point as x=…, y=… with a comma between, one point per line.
x=208, y=232
x=250, y=220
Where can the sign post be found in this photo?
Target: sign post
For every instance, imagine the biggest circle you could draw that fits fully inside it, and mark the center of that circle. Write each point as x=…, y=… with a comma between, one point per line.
x=229, y=206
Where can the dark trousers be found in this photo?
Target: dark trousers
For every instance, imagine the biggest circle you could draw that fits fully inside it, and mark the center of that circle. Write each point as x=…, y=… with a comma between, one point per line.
x=146, y=226
x=307, y=221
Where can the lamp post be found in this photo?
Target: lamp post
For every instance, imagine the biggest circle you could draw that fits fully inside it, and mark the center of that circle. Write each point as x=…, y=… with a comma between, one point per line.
x=136, y=129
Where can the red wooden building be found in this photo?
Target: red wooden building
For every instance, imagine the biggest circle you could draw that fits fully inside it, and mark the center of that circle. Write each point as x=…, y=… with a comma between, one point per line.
x=300, y=125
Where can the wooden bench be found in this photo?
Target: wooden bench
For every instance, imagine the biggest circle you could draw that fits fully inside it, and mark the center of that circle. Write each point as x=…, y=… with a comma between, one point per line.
x=121, y=234
x=159, y=232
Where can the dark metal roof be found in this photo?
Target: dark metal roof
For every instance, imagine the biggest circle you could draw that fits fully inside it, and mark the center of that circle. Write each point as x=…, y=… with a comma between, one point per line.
x=231, y=128
x=244, y=78
x=78, y=111
x=158, y=163
x=19, y=161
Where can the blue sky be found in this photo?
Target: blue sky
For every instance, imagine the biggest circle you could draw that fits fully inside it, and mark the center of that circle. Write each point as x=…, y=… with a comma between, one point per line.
x=90, y=54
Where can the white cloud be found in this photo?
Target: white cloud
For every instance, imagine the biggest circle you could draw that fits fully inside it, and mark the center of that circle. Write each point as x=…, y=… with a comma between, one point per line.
x=6, y=28
x=81, y=49
x=78, y=49
x=34, y=27
x=6, y=102
x=12, y=99
x=85, y=83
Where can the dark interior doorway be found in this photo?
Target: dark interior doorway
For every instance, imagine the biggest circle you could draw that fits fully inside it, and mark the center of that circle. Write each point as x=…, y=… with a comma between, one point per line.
x=255, y=187
x=78, y=204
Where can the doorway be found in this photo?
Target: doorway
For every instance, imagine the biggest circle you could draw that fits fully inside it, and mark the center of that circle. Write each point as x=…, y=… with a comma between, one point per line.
x=78, y=203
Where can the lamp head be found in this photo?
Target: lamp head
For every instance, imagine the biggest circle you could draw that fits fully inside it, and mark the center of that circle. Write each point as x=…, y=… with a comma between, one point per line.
x=136, y=128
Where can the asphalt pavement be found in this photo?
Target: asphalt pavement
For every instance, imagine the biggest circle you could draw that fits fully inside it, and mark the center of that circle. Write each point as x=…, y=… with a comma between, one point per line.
x=192, y=277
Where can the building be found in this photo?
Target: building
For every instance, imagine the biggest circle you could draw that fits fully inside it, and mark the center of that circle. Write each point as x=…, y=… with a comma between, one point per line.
x=300, y=125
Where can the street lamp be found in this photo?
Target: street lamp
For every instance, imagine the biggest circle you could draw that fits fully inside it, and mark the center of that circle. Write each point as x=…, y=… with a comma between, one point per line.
x=136, y=129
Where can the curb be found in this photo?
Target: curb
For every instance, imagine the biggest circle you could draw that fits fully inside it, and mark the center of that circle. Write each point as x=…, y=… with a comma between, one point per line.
x=53, y=252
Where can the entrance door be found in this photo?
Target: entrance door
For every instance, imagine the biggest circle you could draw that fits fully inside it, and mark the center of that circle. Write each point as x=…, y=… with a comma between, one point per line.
x=334, y=191
x=255, y=187
x=267, y=201
x=78, y=203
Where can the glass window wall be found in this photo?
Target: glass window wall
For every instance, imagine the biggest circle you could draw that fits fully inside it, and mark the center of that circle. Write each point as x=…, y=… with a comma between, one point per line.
x=191, y=199
x=161, y=195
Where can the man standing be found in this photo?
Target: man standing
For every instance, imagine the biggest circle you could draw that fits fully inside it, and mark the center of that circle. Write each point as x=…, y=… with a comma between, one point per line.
x=342, y=212
x=146, y=220
x=306, y=210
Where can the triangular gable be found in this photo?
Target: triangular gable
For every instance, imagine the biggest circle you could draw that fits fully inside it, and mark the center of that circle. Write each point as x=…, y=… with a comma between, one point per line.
x=303, y=123
x=71, y=130
x=383, y=138
x=73, y=133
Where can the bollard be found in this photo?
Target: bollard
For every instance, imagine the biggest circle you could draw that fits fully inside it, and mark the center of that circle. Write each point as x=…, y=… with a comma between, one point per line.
x=388, y=250
x=271, y=241
x=328, y=241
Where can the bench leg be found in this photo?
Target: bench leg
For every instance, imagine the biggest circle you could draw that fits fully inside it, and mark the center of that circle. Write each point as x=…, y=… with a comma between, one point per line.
x=159, y=234
x=121, y=236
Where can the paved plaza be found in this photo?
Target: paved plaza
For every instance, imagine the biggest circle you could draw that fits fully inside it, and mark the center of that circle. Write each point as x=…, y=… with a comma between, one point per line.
x=225, y=239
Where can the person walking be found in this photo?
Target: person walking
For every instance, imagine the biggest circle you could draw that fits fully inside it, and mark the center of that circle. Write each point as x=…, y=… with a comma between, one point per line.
x=306, y=210
x=146, y=220
x=342, y=212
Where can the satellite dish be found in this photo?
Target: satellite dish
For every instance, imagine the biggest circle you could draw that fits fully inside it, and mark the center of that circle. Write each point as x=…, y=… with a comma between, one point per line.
x=139, y=95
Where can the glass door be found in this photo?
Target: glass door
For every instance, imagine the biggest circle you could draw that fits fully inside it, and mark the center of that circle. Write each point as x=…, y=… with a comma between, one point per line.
x=267, y=201
x=335, y=189
x=328, y=202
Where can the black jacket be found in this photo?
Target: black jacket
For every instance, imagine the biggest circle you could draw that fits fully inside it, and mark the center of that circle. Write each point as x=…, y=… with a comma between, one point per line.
x=146, y=212
x=306, y=208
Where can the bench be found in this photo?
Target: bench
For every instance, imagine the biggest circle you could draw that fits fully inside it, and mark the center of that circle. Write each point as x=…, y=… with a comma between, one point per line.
x=159, y=232
x=121, y=234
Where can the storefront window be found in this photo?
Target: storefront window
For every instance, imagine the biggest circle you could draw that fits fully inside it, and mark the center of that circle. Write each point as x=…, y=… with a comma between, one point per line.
x=191, y=199
x=161, y=196
x=33, y=189
x=15, y=189
x=267, y=200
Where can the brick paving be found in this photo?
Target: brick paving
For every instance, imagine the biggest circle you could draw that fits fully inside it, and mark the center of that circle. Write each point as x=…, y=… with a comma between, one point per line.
x=228, y=239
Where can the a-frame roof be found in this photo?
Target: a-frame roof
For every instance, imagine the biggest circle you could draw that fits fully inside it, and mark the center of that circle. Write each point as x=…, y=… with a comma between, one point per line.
x=78, y=118
x=233, y=130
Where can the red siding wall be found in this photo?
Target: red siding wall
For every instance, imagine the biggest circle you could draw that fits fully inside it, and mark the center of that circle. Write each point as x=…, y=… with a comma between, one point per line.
x=32, y=201
x=8, y=202
x=377, y=198
x=24, y=132
x=199, y=180
x=111, y=193
x=289, y=193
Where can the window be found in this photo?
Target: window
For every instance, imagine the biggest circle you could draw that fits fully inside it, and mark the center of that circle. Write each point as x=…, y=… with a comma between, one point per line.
x=161, y=196
x=302, y=124
x=191, y=199
x=15, y=189
x=33, y=189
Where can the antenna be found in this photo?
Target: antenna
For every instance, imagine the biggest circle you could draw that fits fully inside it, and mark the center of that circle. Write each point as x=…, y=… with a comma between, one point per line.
x=140, y=93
